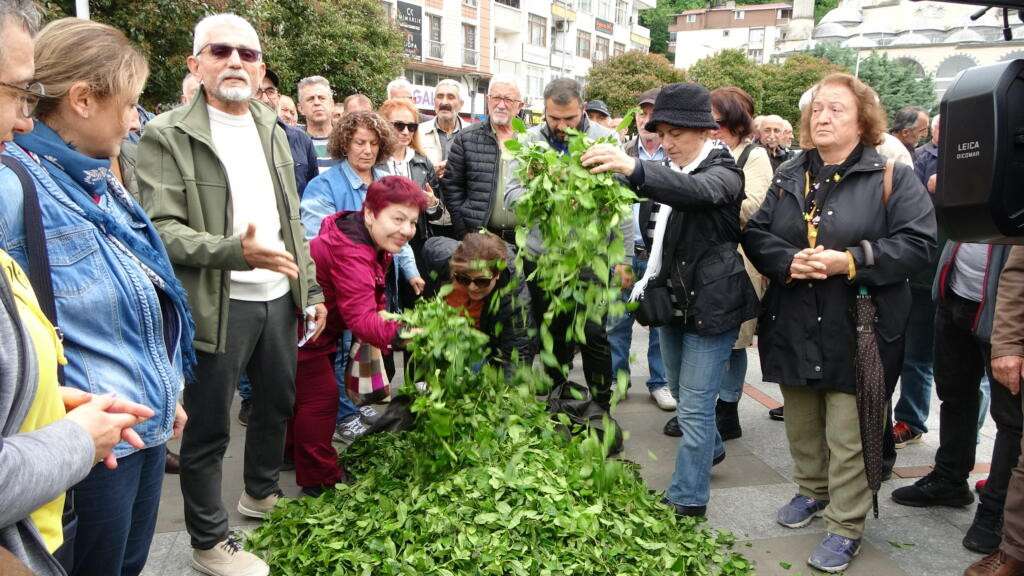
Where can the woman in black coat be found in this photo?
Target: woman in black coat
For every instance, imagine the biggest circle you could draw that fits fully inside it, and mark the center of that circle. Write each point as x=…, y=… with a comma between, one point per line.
x=696, y=270
x=825, y=230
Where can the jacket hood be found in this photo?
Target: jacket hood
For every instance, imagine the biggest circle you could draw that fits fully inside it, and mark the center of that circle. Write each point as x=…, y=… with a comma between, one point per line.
x=345, y=230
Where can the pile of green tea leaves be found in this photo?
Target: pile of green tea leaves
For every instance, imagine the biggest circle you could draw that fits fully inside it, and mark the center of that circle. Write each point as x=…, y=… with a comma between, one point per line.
x=486, y=483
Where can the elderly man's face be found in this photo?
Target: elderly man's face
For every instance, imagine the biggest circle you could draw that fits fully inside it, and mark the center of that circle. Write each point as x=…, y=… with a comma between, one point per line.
x=316, y=103
x=286, y=111
x=447, y=102
x=503, y=104
x=230, y=77
x=338, y=112
x=400, y=92
x=16, y=69
x=771, y=133
x=268, y=93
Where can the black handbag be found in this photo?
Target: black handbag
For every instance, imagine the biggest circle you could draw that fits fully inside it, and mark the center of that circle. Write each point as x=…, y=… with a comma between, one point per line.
x=654, y=308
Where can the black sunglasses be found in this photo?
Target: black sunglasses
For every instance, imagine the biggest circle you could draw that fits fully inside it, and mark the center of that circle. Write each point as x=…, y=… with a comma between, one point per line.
x=478, y=282
x=407, y=126
x=223, y=51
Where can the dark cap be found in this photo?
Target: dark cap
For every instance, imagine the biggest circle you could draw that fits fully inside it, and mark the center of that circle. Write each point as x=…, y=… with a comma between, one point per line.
x=683, y=105
x=273, y=77
x=598, y=106
x=648, y=97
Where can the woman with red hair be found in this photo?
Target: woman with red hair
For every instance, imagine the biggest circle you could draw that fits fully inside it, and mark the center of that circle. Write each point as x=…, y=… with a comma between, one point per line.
x=352, y=253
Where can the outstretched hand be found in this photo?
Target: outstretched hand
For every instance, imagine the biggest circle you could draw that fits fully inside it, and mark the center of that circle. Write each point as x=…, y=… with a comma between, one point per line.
x=259, y=256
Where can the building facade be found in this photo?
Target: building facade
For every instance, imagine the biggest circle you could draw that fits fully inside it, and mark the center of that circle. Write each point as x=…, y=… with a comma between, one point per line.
x=755, y=29
x=537, y=41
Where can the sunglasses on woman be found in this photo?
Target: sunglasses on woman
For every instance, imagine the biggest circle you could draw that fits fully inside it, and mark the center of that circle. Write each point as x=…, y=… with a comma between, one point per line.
x=223, y=51
x=407, y=126
x=478, y=282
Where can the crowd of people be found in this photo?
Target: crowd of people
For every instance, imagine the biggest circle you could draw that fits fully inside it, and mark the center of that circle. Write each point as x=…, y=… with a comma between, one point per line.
x=153, y=266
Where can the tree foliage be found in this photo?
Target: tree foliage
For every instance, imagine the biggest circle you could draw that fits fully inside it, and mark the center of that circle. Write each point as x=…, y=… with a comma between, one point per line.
x=833, y=52
x=350, y=42
x=618, y=80
x=730, y=68
x=786, y=82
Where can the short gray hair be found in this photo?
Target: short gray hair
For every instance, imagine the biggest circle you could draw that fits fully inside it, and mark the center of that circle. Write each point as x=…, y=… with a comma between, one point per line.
x=562, y=91
x=400, y=82
x=22, y=13
x=506, y=79
x=227, y=19
x=906, y=117
x=313, y=81
x=458, y=86
x=935, y=121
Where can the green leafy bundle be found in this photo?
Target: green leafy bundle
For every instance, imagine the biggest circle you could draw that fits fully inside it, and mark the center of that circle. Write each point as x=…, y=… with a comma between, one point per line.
x=578, y=215
x=491, y=486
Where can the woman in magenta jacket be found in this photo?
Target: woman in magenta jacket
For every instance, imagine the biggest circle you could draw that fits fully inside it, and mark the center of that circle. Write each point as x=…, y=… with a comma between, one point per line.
x=353, y=252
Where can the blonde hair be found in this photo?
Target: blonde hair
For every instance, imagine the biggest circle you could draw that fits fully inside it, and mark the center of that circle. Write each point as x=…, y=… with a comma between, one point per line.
x=71, y=50
x=394, y=104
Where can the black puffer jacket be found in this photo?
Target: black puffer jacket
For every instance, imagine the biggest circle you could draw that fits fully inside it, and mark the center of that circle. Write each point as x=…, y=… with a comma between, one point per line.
x=471, y=176
x=699, y=260
x=807, y=331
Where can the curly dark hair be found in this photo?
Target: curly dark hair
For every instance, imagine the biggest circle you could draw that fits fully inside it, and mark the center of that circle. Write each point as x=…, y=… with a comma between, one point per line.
x=345, y=130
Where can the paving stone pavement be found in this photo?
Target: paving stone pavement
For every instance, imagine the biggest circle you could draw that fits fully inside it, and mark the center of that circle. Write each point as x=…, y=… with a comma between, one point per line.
x=747, y=488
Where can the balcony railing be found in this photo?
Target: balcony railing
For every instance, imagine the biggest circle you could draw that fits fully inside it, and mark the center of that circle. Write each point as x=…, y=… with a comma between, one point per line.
x=436, y=50
x=470, y=57
x=509, y=3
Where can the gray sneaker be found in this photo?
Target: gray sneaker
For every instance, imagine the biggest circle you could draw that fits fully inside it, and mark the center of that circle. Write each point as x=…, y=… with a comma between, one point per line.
x=228, y=559
x=370, y=414
x=350, y=430
x=800, y=511
x=834, y=553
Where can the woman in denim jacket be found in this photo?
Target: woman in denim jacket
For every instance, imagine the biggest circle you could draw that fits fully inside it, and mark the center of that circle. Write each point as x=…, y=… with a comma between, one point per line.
x=125, y=318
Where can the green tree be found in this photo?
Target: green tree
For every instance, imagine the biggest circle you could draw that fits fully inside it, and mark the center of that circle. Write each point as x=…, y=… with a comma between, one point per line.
x=620, y=79
x=786, y=82
x=833, y=52
x=897, y=83
x=730, y=68
x=350, y=42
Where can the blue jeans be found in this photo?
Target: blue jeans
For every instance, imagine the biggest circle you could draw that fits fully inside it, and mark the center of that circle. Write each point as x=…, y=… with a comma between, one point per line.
x=346, y=409
x=735, y=375
x=916, y=380
x=620, y=337
x=696, y=366
x=117, y=512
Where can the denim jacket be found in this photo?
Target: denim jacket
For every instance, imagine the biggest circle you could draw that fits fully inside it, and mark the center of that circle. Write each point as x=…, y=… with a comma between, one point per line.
x=338, y=189
x=120, y=333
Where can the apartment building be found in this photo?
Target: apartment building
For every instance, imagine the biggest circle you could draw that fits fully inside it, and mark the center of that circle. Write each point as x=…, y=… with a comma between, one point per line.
x=754, y=28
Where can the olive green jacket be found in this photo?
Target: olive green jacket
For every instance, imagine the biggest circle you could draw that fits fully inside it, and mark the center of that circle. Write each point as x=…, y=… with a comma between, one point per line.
x=185, y=191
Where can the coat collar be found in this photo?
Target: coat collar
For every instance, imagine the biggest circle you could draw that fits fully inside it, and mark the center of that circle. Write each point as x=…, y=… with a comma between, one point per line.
x=790, y=174
x=196, y=120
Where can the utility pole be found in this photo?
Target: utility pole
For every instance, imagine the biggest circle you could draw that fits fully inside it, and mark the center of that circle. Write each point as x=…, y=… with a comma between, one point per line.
x=82, y=9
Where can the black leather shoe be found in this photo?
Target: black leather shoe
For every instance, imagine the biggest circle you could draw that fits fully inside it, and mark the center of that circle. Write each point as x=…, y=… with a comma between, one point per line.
x=718, y=460
x=933, y=491
x=686, y=511
x=243, y=412
x=172, y=463
x=672, y=428
x=777, y=414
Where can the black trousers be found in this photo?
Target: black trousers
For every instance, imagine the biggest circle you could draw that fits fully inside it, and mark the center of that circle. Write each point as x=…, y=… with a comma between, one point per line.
x=961, y=359
x=262, y=338
x=596, y=352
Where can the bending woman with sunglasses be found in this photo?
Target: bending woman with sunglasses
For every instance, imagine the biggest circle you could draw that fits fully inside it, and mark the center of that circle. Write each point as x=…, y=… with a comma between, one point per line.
x=407, y=159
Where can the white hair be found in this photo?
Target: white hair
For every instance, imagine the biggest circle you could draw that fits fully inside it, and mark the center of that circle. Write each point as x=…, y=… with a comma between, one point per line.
x=226, y=19
x=935, y=121
x=400, y=82
x=458, y=86
x=508, y=80
x=312, y=81
x=806, y=97
x=787, y=125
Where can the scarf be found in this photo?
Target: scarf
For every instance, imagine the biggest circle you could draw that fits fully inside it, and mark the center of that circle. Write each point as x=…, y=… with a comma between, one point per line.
x=82, y=179
x=661, y=224
x=823, y=178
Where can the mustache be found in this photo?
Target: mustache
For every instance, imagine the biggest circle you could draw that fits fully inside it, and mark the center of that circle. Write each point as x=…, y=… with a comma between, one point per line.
x=446, y=107
x=232, y=74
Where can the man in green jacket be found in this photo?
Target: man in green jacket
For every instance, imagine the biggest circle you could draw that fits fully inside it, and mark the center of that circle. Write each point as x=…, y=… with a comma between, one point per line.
x=217, y=180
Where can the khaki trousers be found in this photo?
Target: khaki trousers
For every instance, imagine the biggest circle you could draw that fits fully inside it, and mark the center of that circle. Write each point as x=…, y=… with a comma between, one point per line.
x=824, y=440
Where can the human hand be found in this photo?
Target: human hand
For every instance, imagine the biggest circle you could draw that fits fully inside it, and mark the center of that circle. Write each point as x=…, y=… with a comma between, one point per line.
x=608, y=158
x=625, y=274
x=802, y=268
x=418, y=284
x=1007, y=371
x=107, y=421
x=180, y=418
x=73, y=397
x=932, y=181
x=439, y=168
x=835, y=262
x=259, y=256
x=320, y=318
x=432, y=200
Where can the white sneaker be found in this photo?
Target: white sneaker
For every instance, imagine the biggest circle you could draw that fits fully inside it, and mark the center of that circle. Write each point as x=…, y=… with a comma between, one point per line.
x=369, y=413
x=228, y=559
x=350, y=430
x=664, y=398
x=256, y=508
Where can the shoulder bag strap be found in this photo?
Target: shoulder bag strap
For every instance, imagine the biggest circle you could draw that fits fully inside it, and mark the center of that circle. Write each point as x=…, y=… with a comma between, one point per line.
x=887, y=182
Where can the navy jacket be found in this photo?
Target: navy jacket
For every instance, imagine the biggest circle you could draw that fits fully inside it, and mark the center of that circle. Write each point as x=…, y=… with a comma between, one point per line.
x=303, y=156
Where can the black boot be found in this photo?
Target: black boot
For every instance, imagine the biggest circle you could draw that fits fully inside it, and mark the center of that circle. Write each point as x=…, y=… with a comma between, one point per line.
x=986, y=532
x=727, y=418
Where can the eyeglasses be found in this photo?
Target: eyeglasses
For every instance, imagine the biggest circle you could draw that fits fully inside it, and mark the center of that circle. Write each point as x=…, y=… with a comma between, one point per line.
x=268, y=91
x=407, y=126
x=466, y=280
x=29, y=97
x=223, y=51
x=510, y=102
